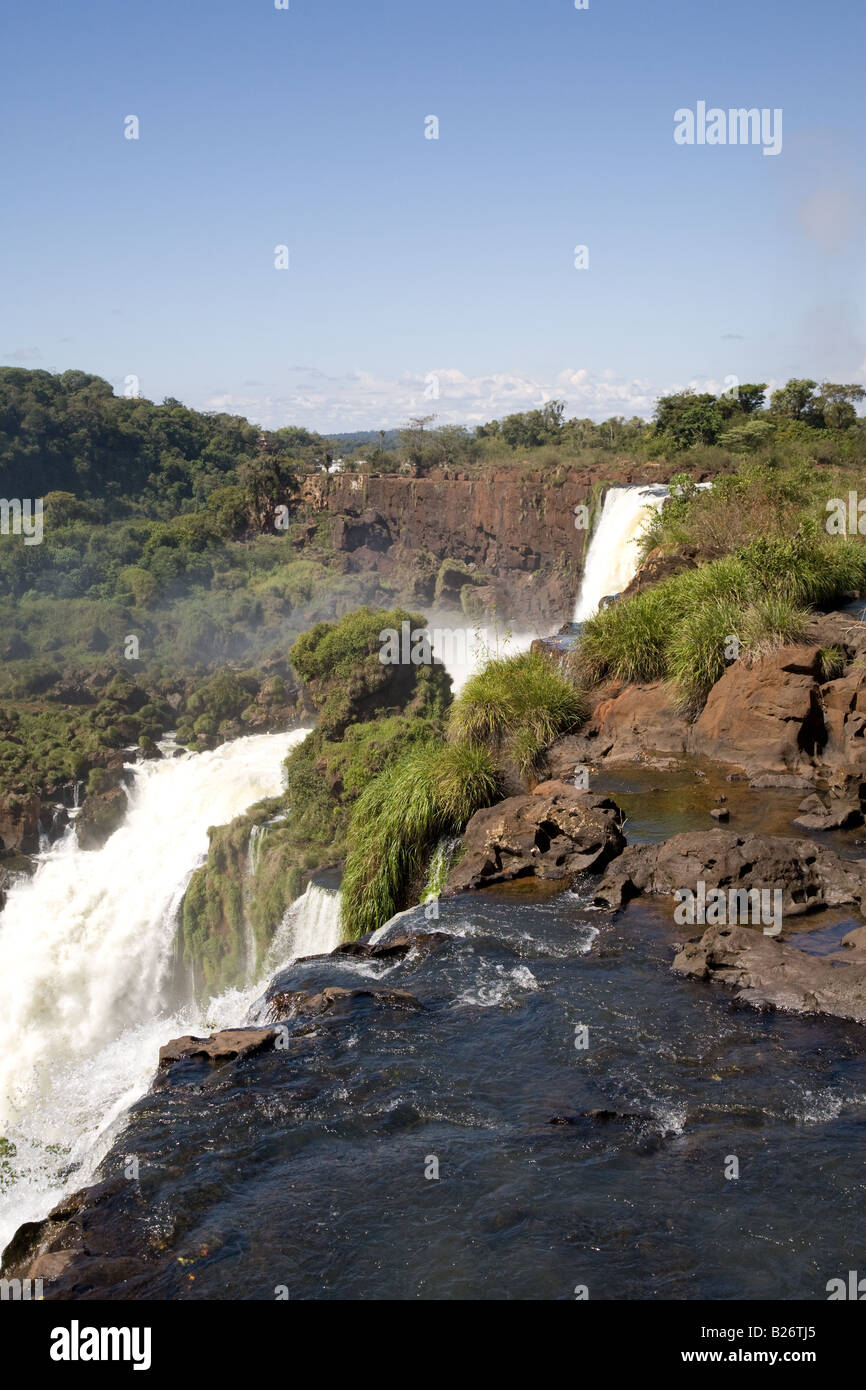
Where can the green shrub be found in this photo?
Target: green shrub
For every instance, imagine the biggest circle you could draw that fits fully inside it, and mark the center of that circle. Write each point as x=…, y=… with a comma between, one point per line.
x=517, y=705
x=760, y=595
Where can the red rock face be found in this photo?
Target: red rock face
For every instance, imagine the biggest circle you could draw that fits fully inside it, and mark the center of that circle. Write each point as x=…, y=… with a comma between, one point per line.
x=767, y=717
x=634, y=719
x=517, y=528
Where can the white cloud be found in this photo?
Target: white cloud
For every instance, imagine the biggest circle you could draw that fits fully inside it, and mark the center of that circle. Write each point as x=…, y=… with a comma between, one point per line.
x=361, y=401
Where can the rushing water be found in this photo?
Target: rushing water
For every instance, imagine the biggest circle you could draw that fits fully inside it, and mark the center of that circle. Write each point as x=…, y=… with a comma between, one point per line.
x=612, y=559
x=85, y=953
x=314, y=1168
x=311, y=924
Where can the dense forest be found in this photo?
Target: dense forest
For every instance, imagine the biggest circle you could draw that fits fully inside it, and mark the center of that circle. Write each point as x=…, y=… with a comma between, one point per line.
x=148, y=506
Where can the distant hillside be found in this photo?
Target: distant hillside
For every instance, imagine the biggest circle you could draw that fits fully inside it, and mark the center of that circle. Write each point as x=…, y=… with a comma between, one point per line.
x=355, y=439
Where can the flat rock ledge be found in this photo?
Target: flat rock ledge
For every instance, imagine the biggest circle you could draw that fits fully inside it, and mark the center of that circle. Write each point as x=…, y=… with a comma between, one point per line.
x=225, y=1046
x=768, y=973
x=809, y=875
x=554, y=833
x=334, y=999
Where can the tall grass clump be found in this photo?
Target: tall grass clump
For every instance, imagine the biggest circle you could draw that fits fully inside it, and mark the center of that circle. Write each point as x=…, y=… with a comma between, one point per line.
x=516, y=706
x=397, y=820
x=627, y=641
x=682, y=630
x=775, y=620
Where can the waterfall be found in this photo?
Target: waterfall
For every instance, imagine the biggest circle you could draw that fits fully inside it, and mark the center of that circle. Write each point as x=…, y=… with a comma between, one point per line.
x=86, y=947
x=310, y=927
x=612, y=558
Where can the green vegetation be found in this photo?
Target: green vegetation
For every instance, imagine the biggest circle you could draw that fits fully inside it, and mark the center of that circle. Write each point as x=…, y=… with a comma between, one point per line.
x=399, y=818
x=682, y=629
x=516, y=706
x=832, y=662
x=357, y=738
x=505, y=717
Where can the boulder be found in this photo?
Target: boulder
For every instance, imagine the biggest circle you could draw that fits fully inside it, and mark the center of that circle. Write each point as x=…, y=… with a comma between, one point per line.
x=765, y=971
x=304, y=1003
x=855, y=940
x=809, y=875
x=766, y=717
x=660, y=564
x=844, y=707
x=100, y=816
x=556, y=833
x=837, y=816
x=627, y=723
x=395, y=945
x=225, y=1046
x=19, y=823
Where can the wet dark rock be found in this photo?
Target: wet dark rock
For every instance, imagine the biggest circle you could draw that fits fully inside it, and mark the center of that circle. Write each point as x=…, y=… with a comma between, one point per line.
x=601, y=1115
x=768, y=972
x=100, y=816
x=227, y=1045
x=334, y=999
x=71, y=1249
x=809, y=875
x=19, y=823
x=397, y=945
x=554, y=834
x=54, y=819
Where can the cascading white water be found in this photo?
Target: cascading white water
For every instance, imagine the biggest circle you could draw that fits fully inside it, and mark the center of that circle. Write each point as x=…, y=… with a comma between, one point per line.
x=85, y=952
x=612, y=559
x=310, y=927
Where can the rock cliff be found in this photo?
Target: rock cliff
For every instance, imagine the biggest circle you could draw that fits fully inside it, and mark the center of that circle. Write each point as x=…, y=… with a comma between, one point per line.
x=509, y=536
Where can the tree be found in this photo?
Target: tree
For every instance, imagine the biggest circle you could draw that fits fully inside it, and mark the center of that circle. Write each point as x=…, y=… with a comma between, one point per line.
x=684, y=419
x=836, y=404
x=794, y=400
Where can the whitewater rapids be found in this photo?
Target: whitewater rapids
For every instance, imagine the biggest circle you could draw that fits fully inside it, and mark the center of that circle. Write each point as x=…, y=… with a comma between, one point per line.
x=86, y=948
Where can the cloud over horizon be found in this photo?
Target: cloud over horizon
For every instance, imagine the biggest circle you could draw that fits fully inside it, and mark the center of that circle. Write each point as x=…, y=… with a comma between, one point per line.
x=361, y=401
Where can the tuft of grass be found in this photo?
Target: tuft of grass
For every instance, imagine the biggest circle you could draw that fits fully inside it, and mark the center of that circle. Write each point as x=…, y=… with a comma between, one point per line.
x=832, y=662
x=517, y=705
x=398, y=819
x=627, y=640
x=696, y=649
x=760, y=594
x=776, y=620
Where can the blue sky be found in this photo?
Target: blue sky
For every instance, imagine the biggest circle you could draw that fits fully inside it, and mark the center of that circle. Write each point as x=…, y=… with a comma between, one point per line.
x=413, y=258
